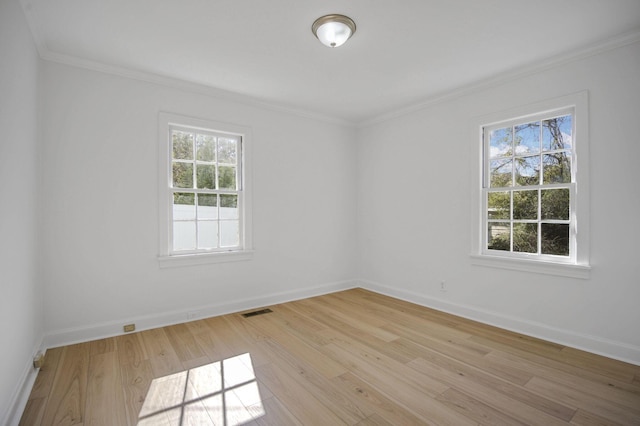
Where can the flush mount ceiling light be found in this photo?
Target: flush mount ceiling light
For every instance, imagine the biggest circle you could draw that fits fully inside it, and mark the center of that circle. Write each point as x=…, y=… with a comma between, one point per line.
x=333, y=30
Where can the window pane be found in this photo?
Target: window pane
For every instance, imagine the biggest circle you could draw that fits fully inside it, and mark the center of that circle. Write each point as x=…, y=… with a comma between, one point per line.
x=525, y=205
x=184, y=206
x=555, y=239
x=207, y=234
x=525, y=237
x=498, y=205
x=527, y=138
x=500, y=143
x=206, y=176
x=557, y=167
x=207, y=206
x=182, y=175
x=499, y=236
x=557, y=133
x=528, y=170
x=501, y=173
x=227, y=178
x=229, y=233
x=182, y=145
x=555, y=204
x=227, y=150
x=184, y=235
x=228, y=206
x=205, y=148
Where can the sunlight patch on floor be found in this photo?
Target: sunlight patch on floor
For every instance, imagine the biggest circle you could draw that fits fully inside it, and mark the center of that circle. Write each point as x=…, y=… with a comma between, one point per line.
x=223, y=393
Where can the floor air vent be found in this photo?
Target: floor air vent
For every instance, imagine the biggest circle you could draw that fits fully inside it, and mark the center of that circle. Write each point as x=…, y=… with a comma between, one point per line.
x=254, y=313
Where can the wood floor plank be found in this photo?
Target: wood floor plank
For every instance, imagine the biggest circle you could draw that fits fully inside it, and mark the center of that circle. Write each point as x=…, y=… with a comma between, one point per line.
x=619, y=393
x=378, y=403
x=348, y=331
x=305, y=328
x=599, y=364
x=223, y=329
x=410, y=389
x=470, y=353
x=476, y=410
x=131, y=350
x=412, y=309
x=33, y=412
x=354, y=357
x=374, y=420
x=136, y=381
x=184, y=342
x=211, y=344
x=454, y=346
x=105, y=394
x=103, y=346
x=271, y=412
x=66, y=402
x=44, y=379
x=545, y=365
x=300, y=349
x=348, y=322
x=302, y=404
x=526, y=407
x=516, y=340
x=296, y=321
x=552, y=353
x=434, y=324
x=579, y=398
x=162, y=356
x=585, y=418
x=322, y=388
x=246, y=343
x=345, y=306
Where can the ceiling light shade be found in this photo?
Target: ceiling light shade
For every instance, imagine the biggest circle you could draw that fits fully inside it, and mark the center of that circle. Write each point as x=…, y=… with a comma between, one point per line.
x=333, y=30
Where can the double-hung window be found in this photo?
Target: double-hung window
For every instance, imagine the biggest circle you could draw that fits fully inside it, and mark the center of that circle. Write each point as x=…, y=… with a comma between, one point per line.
x=203, y=200
x=529, y=184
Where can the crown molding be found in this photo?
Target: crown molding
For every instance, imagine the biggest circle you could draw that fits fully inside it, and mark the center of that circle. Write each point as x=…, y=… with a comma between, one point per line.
x=167, y=81
x=46, y=54
x=507, y=76
x=187, y=86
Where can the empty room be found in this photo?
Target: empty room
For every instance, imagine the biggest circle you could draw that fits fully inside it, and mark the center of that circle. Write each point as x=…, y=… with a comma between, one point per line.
x=319, y=212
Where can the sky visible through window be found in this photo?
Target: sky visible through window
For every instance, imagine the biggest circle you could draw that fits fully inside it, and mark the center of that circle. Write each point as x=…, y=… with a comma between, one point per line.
x=528, y=176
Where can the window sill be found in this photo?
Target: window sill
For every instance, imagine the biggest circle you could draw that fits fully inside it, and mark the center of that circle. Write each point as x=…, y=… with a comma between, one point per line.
x=204, y=258
x=535, y=266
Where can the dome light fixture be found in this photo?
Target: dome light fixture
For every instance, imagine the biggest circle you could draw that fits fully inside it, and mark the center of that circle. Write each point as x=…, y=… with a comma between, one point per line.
x=333, y=30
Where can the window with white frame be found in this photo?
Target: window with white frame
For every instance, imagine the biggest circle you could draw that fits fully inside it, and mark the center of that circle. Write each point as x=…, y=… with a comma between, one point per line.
x=529, y=204
x=529, y=185
x=203, y=194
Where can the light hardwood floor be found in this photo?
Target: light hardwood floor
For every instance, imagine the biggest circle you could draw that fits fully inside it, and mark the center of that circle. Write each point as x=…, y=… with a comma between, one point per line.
x=352, y=357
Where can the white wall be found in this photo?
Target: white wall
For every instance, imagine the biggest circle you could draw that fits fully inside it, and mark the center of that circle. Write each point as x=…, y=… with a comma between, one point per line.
x=415, y=222
x=100, y=204
x=20, y=289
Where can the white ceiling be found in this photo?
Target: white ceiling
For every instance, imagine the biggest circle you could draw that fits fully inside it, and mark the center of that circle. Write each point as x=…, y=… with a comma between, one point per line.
x=404, y=52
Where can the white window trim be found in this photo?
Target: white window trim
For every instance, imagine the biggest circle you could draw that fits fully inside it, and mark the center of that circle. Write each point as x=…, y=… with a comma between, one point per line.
x=165, y=258
x=578, y=267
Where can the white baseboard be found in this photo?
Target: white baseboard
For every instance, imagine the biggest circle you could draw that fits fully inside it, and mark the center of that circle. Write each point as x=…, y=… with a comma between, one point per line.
x=114, y=328
x=22, y=391
x=597, y=345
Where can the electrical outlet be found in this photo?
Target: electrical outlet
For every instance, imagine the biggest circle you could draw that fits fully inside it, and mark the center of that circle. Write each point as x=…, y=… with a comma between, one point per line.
x=38, y=360
x=129, y=328
x=443, y=286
